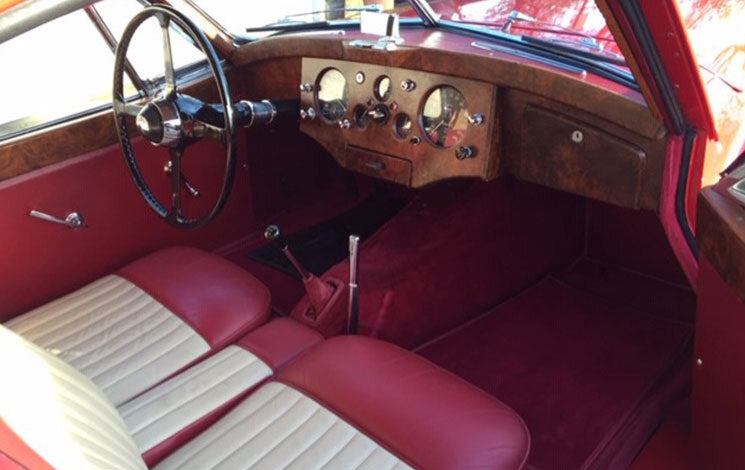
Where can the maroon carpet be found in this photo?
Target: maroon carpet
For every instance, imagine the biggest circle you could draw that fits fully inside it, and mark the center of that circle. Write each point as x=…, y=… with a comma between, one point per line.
x=573, y=365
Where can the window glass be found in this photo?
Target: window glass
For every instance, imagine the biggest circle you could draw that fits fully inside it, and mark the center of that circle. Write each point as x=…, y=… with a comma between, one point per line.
x=574, y=23
x=146, y=51
x=65, y=67
x=60, y=68
x=715, y=31
x=237, y=15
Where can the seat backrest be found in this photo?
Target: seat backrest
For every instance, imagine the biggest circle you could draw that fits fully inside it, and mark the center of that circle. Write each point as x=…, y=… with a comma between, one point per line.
x=58, y=412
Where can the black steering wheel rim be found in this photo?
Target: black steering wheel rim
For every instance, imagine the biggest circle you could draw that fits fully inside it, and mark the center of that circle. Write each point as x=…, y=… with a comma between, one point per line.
x=173, y=216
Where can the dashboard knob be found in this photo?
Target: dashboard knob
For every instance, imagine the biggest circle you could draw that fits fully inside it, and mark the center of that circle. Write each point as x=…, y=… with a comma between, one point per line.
x=408, y=85
x=345, y=124
x=376, y=113
x=306, y=87
x=476, y=119
x=463, y=152
x=307, y=115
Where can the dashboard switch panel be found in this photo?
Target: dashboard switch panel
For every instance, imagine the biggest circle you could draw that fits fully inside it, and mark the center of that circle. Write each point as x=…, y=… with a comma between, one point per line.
x=408, y=133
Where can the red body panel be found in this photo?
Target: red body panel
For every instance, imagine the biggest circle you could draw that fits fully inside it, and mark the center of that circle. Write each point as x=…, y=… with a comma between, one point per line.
x=719, y=380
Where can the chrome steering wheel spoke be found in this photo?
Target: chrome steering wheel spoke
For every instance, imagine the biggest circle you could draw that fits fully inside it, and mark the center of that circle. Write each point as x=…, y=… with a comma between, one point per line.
x=170, y=75
x=129, y=109
x=202, y=129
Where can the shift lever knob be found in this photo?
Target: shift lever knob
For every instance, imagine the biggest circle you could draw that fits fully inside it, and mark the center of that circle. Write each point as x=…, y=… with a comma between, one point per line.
x=274, y=235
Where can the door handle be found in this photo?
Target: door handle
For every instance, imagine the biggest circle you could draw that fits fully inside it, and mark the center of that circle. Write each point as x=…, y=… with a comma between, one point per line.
x=71, y=220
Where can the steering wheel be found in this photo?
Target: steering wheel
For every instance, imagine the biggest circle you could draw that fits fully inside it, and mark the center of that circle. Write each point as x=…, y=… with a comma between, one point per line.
x=173, y=120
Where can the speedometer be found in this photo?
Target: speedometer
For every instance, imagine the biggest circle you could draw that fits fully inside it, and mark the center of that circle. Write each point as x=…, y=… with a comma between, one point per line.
x=445, y=116
x=333, y=95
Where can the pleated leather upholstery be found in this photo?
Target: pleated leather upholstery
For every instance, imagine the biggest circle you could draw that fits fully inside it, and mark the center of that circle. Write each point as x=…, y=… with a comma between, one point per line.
x=173, y=405
x=279, y=427
x=116, y=334
x=59, y=413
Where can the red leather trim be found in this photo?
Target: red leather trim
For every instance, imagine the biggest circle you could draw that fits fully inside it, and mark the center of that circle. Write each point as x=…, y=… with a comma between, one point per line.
x=218, y=299
x=18, y=453
x=275, y=343
x=155, y=455
x=280, y=341
x=421, y=413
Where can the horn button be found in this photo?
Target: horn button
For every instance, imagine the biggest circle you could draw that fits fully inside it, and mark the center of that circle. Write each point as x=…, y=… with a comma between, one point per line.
x=159, y=121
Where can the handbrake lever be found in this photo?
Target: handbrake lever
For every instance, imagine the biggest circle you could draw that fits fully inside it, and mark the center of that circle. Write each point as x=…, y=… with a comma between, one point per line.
x=353, y=312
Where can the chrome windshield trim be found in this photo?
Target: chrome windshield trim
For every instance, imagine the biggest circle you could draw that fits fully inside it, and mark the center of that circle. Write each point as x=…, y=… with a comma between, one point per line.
x=425, y=12
x=534, y=57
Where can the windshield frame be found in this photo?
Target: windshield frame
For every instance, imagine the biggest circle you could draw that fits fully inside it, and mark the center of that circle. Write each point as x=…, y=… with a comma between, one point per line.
x=578, y=59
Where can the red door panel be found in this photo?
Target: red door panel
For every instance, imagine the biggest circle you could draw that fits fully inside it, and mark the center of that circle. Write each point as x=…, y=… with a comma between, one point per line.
x=40, y=260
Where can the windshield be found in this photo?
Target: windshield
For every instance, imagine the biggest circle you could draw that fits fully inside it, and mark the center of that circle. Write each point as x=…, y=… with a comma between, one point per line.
x=574, y=23
x=236, y=16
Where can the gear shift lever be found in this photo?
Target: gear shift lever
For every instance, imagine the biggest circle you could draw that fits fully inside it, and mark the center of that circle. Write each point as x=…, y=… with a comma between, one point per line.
x=319, y=292
x=274, y=236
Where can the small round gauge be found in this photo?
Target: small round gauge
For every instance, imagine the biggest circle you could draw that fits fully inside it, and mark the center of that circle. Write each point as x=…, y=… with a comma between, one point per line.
x=402, y=125
x=445, y=116
x=361, y=117
x=383, y=88
x=332, y=95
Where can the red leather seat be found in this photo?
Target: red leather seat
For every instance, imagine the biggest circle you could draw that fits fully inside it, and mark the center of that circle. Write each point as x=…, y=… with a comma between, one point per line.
x=356, y=402
x=136, y=327
x=348, y=402
x=423, y=414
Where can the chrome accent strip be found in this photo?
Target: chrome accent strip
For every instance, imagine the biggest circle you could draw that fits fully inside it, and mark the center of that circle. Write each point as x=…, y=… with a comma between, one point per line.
x=534, y=57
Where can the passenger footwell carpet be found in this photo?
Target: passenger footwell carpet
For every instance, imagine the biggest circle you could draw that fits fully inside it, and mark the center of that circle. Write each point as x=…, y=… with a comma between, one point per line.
x=323, y=245
x=586, y=375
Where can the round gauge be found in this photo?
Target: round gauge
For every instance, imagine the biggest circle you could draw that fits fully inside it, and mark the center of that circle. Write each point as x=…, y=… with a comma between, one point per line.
x=445, y=116
x=402, y=126
x=332, y=94
x=383, y=88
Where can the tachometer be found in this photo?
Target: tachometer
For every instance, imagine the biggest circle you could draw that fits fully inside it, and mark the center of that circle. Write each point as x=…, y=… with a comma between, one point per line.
x=333, y=95
x=445, y=116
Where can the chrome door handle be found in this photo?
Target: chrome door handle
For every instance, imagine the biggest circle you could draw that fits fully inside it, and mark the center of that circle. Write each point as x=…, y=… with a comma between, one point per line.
x=72, y=220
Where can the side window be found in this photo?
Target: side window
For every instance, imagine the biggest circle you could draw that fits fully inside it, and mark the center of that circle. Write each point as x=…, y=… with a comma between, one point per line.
x=60, y=68
x=64, y=68
x=145, y=51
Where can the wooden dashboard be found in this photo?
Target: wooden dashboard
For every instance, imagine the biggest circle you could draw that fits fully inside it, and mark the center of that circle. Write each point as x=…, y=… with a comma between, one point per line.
x=406, y=126
x=581, y=134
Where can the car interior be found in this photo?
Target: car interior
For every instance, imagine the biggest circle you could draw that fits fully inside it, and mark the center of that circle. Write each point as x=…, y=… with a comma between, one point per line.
x=320, y=250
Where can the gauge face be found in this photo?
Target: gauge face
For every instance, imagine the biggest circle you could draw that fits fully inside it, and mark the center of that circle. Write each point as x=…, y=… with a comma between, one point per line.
x=333, y=95
x=402, y=126
x=383, y=88
x=445, y=116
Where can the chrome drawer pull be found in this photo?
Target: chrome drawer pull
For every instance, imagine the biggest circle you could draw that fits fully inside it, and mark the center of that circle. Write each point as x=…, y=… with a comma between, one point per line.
x=72, y=220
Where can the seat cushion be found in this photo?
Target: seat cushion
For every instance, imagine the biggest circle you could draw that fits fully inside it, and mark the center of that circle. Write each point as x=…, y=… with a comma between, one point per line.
x=355, y=402
x=133, y=329
x=60, y=416
x=218, y=299
x=175, y=411
x=423, y=414
x=280, y=427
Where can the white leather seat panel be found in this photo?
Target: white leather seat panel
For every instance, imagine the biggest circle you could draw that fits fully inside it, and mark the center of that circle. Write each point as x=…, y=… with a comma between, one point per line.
x=279, y=427
x=173, y=405
x=116, y=334
x=60, y=413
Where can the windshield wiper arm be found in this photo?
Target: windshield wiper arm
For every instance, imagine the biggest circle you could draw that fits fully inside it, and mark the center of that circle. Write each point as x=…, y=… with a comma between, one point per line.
x=288, y=24
x=374, y=8
x=562, y=48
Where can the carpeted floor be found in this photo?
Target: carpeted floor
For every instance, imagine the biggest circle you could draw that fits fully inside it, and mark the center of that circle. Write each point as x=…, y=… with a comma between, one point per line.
x=574, y=365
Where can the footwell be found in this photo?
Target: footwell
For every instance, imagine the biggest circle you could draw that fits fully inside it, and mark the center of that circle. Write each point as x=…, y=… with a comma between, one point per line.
x=579, y=369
